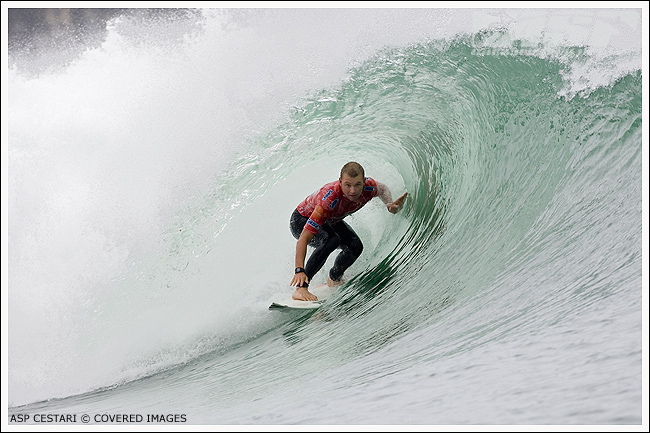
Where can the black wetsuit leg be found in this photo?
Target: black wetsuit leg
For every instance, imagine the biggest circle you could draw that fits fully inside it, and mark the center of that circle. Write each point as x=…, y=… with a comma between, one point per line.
x=351, y=248
x=329, y=238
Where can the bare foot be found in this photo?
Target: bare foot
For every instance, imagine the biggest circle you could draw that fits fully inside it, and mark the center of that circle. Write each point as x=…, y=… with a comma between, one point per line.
x=332, y=283
x=303, y=294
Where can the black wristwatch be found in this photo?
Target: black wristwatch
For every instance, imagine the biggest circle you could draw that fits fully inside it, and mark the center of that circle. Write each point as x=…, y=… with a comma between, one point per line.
x=299, y=270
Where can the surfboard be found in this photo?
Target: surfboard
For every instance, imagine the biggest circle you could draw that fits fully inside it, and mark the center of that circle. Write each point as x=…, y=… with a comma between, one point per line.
x=322, y=292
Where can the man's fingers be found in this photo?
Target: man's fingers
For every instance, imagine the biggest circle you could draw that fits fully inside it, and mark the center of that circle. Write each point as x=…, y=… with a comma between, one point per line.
x=298, y=280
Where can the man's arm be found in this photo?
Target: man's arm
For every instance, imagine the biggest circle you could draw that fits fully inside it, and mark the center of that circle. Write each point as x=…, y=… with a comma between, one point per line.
x=385, y=196
x=302, y=293
x=301, y=253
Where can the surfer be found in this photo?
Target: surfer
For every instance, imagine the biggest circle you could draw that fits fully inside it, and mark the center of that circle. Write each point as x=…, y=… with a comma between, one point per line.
x=318, y=222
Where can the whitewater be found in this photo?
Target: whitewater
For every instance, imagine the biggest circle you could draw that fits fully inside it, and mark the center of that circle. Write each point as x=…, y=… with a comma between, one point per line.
x=148, y=185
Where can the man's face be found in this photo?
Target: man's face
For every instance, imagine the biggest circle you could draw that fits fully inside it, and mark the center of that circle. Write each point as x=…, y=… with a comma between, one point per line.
x=352, y=187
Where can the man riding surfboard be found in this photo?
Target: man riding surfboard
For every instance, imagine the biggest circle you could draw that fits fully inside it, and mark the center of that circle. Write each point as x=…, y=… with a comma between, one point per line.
x=318, y=222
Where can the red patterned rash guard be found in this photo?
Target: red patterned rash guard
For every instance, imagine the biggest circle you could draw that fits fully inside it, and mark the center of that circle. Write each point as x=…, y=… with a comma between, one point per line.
x=329, y=204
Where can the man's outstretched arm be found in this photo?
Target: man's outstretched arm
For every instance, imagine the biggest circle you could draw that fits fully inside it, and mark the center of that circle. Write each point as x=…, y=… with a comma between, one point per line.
x=385, y=196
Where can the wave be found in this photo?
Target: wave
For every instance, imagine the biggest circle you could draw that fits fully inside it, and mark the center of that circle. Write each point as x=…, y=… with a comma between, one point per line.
x=524, y=201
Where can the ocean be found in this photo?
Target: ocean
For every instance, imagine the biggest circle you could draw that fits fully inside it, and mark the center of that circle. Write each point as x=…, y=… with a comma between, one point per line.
x=149, y=183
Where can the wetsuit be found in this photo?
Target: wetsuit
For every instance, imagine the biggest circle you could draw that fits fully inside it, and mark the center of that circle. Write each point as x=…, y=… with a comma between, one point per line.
x=322, y=214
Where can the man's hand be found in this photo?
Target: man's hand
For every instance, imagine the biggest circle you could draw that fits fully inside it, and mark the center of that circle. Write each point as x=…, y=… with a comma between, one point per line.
x=303, y=294
x=299, y=279
x=395, y=206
